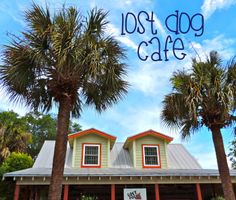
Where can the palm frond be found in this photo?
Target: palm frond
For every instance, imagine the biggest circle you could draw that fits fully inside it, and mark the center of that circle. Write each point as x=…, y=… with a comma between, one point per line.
x=203, y=96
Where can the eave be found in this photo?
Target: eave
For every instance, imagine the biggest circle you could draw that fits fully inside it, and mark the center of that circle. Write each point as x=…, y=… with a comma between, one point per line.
x=168, y=139
x=72, y=136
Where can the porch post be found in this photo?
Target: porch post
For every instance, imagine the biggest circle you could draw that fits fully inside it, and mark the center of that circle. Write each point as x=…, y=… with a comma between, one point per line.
x=157, y=194
x=199, y=194
x=17, y=192
x=113, y=192
x=66, y=192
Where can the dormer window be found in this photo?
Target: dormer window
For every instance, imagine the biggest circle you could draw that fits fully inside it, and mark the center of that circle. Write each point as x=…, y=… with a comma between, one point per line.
x=91, y=155
x=151, y=156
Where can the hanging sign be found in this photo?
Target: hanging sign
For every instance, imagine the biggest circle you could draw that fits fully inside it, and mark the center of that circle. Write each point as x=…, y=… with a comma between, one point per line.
x=135, y=194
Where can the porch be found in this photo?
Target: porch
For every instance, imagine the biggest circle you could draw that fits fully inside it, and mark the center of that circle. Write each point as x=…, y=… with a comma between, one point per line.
x=115, y=191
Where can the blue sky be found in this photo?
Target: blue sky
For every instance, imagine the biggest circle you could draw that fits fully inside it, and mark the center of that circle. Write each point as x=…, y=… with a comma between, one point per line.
x=140, y=109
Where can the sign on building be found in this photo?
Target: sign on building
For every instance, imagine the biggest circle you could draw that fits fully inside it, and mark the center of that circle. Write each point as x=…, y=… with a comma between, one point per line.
x=135, y=194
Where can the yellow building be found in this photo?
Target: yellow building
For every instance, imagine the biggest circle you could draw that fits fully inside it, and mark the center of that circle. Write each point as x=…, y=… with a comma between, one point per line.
x=145, y=166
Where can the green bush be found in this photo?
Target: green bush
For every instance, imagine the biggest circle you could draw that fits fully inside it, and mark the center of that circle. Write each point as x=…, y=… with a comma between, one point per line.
x=16, y=161
x=88, y=197
x=218, y=198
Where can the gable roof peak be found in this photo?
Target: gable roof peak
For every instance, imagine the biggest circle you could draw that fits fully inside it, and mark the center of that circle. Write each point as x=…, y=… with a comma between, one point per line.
x=91, y=131
x=167, y=138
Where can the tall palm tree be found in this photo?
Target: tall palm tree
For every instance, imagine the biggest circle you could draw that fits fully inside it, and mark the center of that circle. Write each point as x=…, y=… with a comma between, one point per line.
x=204, y=96
x=65, y=60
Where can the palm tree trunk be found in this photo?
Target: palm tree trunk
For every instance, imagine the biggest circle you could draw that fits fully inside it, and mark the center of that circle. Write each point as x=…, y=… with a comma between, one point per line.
x=63, y=119
x=222, y=164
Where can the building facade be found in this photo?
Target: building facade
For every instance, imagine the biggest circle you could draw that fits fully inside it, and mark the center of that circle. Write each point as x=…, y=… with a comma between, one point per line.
x=145, y=166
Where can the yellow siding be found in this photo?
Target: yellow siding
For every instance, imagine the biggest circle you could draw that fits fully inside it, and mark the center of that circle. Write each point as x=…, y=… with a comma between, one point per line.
x=150, y=140
x=73, y=153
x=91, y=138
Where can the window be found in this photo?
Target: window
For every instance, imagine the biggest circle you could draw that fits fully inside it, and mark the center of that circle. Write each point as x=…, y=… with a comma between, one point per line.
x=91, y=155
x=151, y=156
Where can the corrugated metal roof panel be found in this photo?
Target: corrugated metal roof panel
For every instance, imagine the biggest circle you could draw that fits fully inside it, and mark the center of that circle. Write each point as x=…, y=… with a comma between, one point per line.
x=120, y=157
x=45, y=157
x=178, y=157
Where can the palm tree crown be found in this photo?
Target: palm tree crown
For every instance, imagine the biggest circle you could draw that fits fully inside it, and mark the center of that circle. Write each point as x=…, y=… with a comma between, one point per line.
x=204, y=95
x=64, y=55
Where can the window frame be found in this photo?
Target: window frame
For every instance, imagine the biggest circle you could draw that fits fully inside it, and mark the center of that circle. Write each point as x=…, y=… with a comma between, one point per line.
x=157, y=146
x=84, y=145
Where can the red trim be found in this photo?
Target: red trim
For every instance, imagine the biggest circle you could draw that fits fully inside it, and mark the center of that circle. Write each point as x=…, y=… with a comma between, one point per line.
x=17, y=192
x=159, y=156
x=92, y=130
x=66, y=192
x=113, y=192
x=100, y=156
x=199, y=194
x=157, y=194
x=150, y=132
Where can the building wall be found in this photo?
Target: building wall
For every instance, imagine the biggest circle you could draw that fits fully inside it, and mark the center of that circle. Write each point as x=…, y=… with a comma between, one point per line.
x=150, y=140
x=91, y=138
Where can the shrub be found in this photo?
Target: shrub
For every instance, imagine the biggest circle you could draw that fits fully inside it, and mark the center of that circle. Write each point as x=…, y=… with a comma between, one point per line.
x=16, y=161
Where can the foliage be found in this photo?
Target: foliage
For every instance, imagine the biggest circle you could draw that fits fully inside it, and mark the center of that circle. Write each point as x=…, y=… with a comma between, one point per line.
x=43, y=127
x=205, y=95
x=16, y=161
x=27, y=133
x=64, y=55
x=14, y=135
x=218, y=198
x=88, y=197
x=232, y=153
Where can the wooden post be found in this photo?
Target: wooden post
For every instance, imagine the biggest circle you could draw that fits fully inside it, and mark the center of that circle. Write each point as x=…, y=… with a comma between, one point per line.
x=17, y=192
x=199, y=194
x=113, y=192
x=66, y=192
x=36, y=194
x=157, y=193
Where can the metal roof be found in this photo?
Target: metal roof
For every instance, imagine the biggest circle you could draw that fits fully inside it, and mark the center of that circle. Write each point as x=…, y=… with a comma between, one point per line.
x=120, y=157
x=177, y=157
x=179, y=162
x=34, y=172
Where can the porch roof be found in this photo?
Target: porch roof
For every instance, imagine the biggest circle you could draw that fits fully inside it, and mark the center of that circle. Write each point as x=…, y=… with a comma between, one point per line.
x=108, y=172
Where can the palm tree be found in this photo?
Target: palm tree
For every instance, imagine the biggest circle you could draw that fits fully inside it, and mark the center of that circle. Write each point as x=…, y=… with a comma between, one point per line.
x=65, y=60
x=204, y=96
x=13, y=135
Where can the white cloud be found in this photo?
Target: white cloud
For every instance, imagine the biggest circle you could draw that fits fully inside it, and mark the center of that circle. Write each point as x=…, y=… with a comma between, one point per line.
x=159, y=27
x=125, y=40
x=210, y=6
x=223, y=45
x=138, y=119
x=152, y=78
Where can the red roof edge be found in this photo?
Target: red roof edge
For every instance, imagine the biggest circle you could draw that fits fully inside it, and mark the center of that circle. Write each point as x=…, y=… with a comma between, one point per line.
x=150, y=132
x=91, y=130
